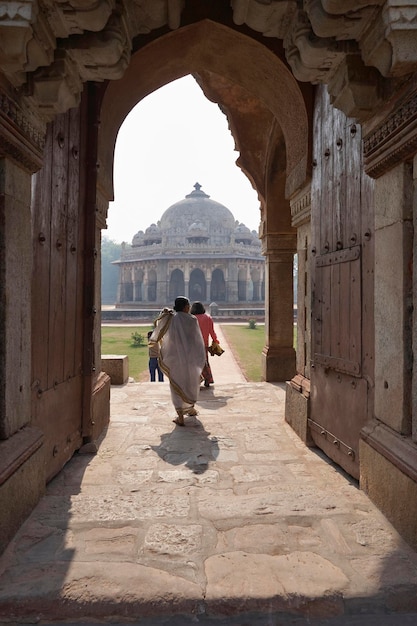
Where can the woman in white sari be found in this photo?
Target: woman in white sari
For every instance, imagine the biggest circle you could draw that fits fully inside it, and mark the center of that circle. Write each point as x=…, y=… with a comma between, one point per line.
x=182, y=355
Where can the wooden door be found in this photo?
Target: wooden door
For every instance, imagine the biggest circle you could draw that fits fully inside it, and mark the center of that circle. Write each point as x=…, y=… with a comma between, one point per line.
x=57, y=291
x=342, y=370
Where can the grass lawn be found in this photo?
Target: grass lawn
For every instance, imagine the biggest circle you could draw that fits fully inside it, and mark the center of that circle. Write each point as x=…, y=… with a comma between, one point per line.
x=246, y=344
x=118, y=340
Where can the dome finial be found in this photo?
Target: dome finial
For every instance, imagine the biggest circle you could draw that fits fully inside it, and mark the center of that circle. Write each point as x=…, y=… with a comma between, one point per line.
x=197, y=192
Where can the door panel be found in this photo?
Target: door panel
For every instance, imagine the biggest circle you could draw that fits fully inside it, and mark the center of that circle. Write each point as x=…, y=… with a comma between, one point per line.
x=57, y=292
x=342, y=293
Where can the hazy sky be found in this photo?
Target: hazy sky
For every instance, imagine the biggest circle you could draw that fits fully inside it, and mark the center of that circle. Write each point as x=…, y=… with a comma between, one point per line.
x=171, y=140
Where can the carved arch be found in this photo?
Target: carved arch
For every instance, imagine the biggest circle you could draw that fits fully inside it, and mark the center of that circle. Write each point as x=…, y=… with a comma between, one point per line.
x=208, y=47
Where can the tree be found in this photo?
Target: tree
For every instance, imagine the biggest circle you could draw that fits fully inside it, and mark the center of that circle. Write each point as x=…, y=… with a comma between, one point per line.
x=110, y=251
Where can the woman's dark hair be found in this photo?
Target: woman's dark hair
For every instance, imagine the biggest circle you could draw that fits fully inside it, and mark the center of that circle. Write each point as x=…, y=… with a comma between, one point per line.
x=180, y=303
x=197, y=308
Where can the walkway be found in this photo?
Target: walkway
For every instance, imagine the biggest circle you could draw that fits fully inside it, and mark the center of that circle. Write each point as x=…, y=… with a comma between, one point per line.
x=231, y=520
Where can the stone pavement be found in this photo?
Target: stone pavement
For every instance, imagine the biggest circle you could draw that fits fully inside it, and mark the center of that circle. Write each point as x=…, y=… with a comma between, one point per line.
x=230, y=520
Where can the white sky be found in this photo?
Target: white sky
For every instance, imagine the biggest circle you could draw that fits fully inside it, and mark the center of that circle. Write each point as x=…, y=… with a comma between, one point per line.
x=172, y=139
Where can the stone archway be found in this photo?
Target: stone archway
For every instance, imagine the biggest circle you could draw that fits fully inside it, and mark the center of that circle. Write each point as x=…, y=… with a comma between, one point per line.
x=197, y=287
x=227, y=65
x=218, y=286
x=209, y=49
x=176, y=284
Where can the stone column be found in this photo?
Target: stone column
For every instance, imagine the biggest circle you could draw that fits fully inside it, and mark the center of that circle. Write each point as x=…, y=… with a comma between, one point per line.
x=232, y=283
x=393, y=298
x=186, y=274
x=208, y=284
x=278, y=356
x=297, y=399
x=162, y=283
x=145, y=285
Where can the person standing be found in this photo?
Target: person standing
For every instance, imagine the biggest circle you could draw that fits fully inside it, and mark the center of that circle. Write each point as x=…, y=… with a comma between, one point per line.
x=182, y=355
x=205, y=321
x=153, y=360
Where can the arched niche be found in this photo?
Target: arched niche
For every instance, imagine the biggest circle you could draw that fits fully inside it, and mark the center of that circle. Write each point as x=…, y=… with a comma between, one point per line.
x=176, y=284
x=208, y=47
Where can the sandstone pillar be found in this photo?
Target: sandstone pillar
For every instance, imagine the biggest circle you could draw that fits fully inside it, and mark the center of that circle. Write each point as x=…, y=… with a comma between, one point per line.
x=278, y=356
x=393, y=266
x=388, y=471
x=297, y=400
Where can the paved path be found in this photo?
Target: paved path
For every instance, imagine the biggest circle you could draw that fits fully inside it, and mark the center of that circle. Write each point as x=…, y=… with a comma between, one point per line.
x=230, y=520
x=225, y=368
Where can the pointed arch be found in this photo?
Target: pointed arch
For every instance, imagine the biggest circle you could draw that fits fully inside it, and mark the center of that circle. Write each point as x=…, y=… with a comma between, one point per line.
x=208, y=47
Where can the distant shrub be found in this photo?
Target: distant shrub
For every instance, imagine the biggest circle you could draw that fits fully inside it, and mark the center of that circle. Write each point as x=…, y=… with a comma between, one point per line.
x=252, y=324
x=138, y=340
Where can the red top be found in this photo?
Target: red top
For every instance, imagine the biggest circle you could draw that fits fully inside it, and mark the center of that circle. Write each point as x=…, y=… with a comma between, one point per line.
x=205, y=322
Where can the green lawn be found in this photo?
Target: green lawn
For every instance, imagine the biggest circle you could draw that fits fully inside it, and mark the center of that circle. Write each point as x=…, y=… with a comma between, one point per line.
x=246, y=344
x=118, y=340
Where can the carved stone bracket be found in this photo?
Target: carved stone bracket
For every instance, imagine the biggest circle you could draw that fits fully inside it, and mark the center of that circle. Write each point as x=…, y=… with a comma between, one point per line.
x=103, y=55
x=352, y=46
x=15, y=32
x=58, y=87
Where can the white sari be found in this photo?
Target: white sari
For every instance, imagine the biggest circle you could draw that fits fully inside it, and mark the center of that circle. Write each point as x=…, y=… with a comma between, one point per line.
x=182, y=355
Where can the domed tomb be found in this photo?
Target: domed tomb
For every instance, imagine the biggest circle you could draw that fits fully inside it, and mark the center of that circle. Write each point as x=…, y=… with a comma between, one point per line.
x=196, y=249
x=198, y=208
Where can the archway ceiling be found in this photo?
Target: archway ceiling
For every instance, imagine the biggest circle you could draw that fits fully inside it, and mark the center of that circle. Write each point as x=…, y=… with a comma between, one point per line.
x=48, y=48
x=250, y=123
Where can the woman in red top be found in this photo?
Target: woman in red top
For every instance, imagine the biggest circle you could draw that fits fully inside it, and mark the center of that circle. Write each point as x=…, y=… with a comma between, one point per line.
x=205, y=321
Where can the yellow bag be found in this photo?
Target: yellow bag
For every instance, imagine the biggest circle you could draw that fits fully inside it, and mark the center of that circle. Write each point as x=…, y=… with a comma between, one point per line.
x=215, y=349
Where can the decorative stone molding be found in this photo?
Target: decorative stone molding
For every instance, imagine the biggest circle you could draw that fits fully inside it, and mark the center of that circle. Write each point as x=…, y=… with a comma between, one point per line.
x=279, y=245
x=393, y=141
x=380, y=39
x=301, y=207
x=20, y=138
